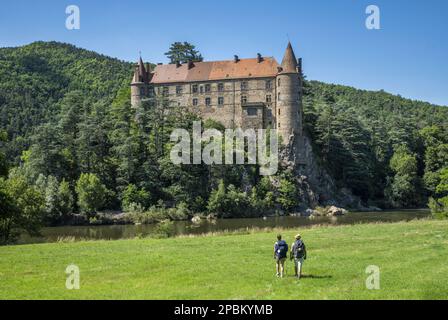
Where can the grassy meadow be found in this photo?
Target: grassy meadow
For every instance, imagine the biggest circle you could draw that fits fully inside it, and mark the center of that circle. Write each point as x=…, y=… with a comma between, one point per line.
x=412, y=258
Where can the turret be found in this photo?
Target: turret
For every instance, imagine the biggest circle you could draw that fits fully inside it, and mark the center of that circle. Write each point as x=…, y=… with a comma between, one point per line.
x=140, y=82
x=289, y=97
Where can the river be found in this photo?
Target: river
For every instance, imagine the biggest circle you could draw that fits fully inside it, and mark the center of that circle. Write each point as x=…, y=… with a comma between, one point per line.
x=114, y=232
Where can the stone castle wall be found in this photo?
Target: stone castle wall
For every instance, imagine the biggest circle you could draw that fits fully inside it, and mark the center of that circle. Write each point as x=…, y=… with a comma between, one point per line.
x=231, y=102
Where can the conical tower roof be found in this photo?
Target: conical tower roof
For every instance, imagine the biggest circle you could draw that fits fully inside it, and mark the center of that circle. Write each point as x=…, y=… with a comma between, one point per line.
x=141, y=68
x=289, y=62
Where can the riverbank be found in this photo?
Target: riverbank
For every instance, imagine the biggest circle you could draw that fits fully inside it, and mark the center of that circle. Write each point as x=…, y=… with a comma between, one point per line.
x=204, y=226
x=411, y=256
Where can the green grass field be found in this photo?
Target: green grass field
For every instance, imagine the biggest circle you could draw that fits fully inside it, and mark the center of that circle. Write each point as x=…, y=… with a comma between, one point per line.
x=412, y=257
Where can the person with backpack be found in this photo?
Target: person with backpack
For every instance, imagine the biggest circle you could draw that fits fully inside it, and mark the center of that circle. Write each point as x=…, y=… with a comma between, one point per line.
x=298, y=253
x=280, y=254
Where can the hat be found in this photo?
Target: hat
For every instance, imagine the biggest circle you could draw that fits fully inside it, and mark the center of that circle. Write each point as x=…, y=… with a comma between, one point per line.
x=298, y=236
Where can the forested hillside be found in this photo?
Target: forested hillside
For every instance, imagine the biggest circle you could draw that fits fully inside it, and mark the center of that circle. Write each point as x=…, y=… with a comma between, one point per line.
x=71, y=143
x=357, y=133
x=35, y=78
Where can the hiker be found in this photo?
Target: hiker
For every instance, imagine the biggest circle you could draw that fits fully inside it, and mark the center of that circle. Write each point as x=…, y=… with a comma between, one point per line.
x=280, y=254
x=298, y=253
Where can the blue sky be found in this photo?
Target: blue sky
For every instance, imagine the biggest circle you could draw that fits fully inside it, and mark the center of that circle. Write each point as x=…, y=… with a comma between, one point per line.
x=408, y=56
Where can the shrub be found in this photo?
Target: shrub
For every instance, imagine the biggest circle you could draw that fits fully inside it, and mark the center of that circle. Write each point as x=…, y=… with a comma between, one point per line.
x=157, y=214
x=439, y=207
x=91, y=193
x=134, y=196
x=164, y=229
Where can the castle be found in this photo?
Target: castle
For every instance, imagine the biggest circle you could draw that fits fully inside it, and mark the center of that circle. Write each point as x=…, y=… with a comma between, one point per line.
x=240, y=93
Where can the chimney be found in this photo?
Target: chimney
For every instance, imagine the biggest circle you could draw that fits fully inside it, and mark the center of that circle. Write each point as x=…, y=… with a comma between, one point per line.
x=259, y=58
x=190, y=64
x=236, y=58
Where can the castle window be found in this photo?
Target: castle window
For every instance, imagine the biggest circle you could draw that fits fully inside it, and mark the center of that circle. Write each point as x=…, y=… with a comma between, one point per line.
x=207, y=88
x=166, y=91
x=268, y=84
x=179, y=90
x=278, y=96
x=243, y=99
x=268, y=98
x=220, y=101
x=279, y=112
x=220, y=87
x=142, y=91
x=244, y=85
x=194, y=88
x=195, y=102
x=201, y=89
x=208, y=102
x=279, y=125
x=279, y=82
x=252, y=112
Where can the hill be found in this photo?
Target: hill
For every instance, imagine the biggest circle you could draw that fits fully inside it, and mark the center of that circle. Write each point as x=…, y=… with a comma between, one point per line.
x=357, y=132
x=34, y=78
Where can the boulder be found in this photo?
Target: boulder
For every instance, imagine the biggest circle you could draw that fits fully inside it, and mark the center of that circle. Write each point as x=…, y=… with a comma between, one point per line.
x=196, y=219
x=334, y=211
x=307, y=213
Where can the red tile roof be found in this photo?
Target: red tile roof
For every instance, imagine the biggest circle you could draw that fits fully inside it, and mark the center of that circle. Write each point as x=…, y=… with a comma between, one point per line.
x=216, y=70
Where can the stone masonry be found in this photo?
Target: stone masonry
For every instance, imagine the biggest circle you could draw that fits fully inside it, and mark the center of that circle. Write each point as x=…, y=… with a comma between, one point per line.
x=239, y=93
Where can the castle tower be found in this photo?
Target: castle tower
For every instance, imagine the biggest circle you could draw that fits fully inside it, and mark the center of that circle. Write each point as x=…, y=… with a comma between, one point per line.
x=139, y=85
x=289, y=97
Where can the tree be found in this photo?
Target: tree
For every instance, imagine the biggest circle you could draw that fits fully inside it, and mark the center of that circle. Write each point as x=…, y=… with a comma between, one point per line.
x=217, y=203
x=288, y=194
x=58, y=198
x=344, y=149
x=435, y=141
x=8, y=215
x=21, y=207
x=65, y=199
x=403, y=189
x=3, y=162
x=91, y=193
x=238, y=203
x=134, y=196
x=439, y=205
x=183, y=53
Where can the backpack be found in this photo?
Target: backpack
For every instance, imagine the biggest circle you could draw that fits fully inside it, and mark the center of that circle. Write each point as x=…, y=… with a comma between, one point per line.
x=299, y=249
x=282, y=249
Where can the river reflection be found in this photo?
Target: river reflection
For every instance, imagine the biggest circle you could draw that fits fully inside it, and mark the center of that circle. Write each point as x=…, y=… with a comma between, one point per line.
x=115, y=232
